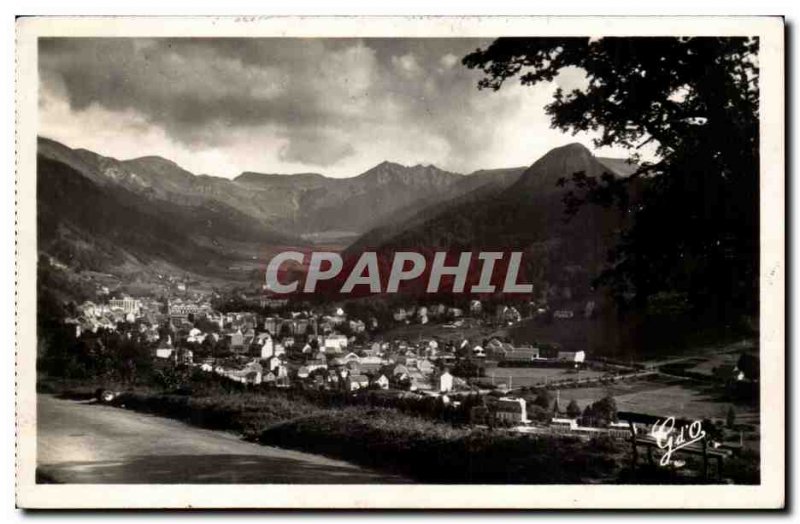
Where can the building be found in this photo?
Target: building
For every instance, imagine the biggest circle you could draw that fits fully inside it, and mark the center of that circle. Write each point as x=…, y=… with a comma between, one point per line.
x=563, y=425
x=356, y=382
x=350, y=357
x=271, y=302
x=400, y=315
x=521, y=354
x=273, y=363
x=357, y=326
x=272, y=324
x=164, y=353
x=267, y=346
x=512, y=410
x=425, y=366
x=237, y=341
x=300, y=326
x=382, y=382
x=400, y=370
x=250, y=377
x=475, y=307
x=316, y=363
x=445, y=382
x=335, y=343
x=418, y=381
x=126, y=304
x=576, y=357
x=508, y=315
x=179, y=311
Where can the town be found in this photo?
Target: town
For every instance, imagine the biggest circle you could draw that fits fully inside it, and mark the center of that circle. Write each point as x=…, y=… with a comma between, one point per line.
x=270, y=344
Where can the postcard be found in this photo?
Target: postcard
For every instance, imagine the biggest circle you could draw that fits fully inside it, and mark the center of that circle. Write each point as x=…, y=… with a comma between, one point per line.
x=400, y=262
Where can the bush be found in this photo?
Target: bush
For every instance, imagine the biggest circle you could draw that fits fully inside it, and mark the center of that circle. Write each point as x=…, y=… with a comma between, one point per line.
x=435, y=452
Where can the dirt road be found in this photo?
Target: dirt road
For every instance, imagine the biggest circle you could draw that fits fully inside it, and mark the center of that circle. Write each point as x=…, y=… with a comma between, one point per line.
x=82, y=442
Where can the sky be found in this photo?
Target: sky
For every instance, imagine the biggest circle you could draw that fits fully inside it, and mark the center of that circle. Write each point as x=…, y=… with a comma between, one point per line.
x=338, y=107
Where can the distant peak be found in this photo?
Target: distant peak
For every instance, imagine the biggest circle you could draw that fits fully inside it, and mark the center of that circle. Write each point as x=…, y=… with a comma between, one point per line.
x=395, y=166
x=561, y=162
x=153, y=159
x=573, y=147
x=573, y=152
x=254, y=175
x=427, y=166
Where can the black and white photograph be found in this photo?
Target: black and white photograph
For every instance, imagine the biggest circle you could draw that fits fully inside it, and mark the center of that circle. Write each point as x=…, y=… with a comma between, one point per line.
x=416, y=255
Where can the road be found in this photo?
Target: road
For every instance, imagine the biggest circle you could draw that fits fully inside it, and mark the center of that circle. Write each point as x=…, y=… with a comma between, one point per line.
x=83, y=442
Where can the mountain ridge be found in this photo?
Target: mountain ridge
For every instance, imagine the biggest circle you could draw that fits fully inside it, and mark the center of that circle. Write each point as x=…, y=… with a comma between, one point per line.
x=561, y=256
x=297, y=204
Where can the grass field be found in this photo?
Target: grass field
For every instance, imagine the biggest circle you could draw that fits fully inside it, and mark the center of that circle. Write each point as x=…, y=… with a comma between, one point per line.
x=526, y=377
x=664, y=397
x=705, y=366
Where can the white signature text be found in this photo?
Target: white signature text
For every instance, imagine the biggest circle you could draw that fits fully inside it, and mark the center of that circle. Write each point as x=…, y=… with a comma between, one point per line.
x=670, y=439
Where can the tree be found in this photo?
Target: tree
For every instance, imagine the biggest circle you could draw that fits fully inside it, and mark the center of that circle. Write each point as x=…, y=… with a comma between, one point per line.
x=692, y=215
x=543, y=399
x=573, y=410
x=539, y=414
x=606, y=409
x=466, y=368
x=730, y=418
x=749, y=365
x=600, y=413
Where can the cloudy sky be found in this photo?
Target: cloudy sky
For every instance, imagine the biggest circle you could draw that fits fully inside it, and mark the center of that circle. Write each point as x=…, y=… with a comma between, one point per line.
x=333, y=106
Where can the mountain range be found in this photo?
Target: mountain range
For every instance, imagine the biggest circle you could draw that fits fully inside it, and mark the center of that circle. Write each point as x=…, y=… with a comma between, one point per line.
x=303, y=204
x=527, y=214
x=103, y=213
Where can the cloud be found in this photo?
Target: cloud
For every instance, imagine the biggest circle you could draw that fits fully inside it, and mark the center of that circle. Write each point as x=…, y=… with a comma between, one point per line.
x=316, y=147
x=226, y=105
x=448, y=60
x=407, y=65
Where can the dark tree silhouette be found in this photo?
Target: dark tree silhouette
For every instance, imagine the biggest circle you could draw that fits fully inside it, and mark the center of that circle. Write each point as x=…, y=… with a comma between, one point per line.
x=573, y=410
x=730, y=418
x=543, y=398
x=693, y=214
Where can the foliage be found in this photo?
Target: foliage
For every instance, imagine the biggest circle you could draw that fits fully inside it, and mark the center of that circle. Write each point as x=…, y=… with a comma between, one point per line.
x=693, y=222
x=749, y=365
x=432, y=452
x=730, y=418
x=467, y=368
x=539, y=414
x=543, y=398
x=600, y=413
x=573, y=410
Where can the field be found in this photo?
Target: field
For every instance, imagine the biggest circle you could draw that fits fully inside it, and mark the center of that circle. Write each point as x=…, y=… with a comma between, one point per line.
x=664, y=397
x=471, y=331
x=706, y=366
x=527, y=377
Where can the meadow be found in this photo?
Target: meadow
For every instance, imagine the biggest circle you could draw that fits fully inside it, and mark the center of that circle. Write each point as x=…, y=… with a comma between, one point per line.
x=531, y=376
x=665, y=396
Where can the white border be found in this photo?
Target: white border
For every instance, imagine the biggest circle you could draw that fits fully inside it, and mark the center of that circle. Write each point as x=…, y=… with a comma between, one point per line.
x=770, y=494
